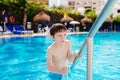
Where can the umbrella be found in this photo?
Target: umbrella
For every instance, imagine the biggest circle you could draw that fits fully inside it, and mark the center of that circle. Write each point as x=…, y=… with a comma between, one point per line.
x=66, y=19
x=86, y=20
x=108, y=20
x=74, y=22
x=41, y=17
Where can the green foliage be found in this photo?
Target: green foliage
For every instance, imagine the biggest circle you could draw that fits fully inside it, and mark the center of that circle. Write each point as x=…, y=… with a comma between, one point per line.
x=117, y=19
x=76, y=17
x=6, y=2
x=76, y=13
x=19, y=2
x=60, y=10
x=111, y=16
x=14, y=3
x=33, y=8
x=90, y=13
x=55, y=17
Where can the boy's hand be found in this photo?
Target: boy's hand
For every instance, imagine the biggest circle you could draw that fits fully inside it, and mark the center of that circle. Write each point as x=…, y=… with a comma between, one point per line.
x=76, y=52
x=81, y=55
x=64, y=70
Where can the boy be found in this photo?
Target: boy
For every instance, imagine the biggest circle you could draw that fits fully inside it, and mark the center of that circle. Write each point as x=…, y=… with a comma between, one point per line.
x=59, y=53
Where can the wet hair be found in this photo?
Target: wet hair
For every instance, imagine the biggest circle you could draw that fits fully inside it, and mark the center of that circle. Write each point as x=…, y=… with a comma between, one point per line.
x=57, y=27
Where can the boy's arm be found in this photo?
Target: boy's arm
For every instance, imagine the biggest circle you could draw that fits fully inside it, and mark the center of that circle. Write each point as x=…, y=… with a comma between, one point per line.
x=49, y=60
x=71, y=56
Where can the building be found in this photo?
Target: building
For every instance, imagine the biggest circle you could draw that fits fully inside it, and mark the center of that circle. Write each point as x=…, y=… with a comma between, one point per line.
x=116, y=9
x=81, y=5
x=97, y=5
x=54, y=3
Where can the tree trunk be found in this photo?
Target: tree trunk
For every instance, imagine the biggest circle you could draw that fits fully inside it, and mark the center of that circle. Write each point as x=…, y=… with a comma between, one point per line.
x=25, y=17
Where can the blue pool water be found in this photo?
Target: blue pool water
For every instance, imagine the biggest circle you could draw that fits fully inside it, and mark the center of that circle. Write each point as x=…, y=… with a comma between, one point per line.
x=24, y=58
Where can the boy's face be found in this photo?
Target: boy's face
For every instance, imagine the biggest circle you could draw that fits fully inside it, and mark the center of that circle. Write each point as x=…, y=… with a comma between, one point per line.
x=60, y=37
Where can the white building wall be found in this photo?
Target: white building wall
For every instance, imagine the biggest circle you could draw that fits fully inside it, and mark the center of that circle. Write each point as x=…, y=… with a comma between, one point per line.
x=54, y=3
x=116, y=8
x=64, y=3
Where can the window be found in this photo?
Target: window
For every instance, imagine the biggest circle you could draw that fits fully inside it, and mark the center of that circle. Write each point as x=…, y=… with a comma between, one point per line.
x=85, y=3
x=94, y=3
x=118, y=10
x=78, y=4
x=71, y=3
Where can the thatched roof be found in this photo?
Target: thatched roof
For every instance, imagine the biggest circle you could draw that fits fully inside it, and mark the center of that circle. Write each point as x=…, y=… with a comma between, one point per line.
x=108, y=20
x=66, y=19
x=41, y=17
x=86, y=20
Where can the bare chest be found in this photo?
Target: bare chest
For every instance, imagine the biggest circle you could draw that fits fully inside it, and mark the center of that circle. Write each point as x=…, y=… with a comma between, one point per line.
x=60, y=52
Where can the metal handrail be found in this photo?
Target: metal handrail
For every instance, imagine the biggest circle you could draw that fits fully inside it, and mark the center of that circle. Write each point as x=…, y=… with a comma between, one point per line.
x=99, y=21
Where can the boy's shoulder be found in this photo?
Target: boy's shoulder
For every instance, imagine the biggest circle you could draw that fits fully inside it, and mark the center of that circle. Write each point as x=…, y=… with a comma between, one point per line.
x=50, y=47
x=68, y=42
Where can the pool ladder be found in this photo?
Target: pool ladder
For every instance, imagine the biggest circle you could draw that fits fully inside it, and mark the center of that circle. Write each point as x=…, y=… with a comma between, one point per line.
x=89, y=39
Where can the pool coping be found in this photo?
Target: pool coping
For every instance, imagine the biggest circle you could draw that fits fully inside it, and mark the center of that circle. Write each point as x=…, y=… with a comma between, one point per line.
x=42, y=34
x=35, y=34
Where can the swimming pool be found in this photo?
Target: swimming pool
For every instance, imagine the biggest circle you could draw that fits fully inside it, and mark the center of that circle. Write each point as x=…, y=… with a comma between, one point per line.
x=24, y=58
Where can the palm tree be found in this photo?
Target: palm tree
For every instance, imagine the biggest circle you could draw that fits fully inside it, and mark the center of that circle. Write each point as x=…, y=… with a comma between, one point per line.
x=17, y=4
x=22, y=5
